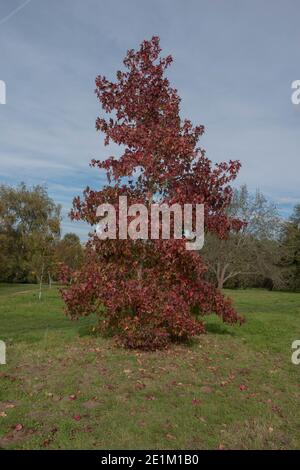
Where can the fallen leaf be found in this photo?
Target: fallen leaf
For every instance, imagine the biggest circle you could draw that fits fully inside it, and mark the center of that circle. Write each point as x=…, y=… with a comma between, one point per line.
x=72, y=397
x=140, y=386
x=77, y=417
x=109, y=387
x=277, y=410
x=3, y=414
x=196, y=401
x=243, y=387
x=18, y=427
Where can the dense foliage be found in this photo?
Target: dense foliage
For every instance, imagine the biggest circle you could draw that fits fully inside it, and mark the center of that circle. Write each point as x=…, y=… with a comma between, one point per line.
x=31, y=249
x=29, y=229
x=149, y=292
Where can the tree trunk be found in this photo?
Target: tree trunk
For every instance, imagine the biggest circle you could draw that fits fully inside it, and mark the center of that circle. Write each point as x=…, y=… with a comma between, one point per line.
x=220, y=282
x=140, y=272
x=41, y=282
x=221, y=276
x=50, y=280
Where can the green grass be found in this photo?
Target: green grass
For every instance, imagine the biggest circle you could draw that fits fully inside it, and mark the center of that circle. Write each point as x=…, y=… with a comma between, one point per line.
x=16, y=288
x=188, y=397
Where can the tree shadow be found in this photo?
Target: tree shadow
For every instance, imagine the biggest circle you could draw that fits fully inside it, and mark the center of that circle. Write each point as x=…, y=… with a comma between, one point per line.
x=219, y=329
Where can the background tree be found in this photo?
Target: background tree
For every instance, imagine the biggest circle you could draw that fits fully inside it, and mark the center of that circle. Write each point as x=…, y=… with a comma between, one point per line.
x=149, y=292
x=70, y=252
x=251, y=253
x=290, y=249
x=29, y=229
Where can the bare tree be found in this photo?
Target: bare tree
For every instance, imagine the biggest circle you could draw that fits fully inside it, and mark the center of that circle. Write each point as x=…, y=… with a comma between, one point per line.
x=253, y=251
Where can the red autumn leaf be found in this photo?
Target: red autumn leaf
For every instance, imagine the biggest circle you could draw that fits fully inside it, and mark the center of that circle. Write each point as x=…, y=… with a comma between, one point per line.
x=277, y=410
x=77, y=417
x=196, y=401
x=243, y=387
x=72, y=397
x=18, y=427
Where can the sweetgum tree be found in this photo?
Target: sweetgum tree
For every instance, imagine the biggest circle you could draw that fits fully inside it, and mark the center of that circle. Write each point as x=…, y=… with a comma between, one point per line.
x=150, y=292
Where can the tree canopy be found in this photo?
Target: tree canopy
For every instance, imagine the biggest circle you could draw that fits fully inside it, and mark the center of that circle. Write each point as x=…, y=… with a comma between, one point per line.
x=29, y=227
x=149, y=292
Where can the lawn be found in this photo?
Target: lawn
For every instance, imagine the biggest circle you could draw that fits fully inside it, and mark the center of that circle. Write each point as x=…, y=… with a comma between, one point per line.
x=232, y=388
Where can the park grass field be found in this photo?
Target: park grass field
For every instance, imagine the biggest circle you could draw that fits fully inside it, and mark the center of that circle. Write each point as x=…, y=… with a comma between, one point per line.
x=234, y=388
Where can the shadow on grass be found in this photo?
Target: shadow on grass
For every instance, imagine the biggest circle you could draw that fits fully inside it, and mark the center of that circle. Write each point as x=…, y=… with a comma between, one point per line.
x=218, y=329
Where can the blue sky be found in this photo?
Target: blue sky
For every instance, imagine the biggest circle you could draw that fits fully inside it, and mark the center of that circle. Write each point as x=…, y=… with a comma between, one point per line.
x=234, y=62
